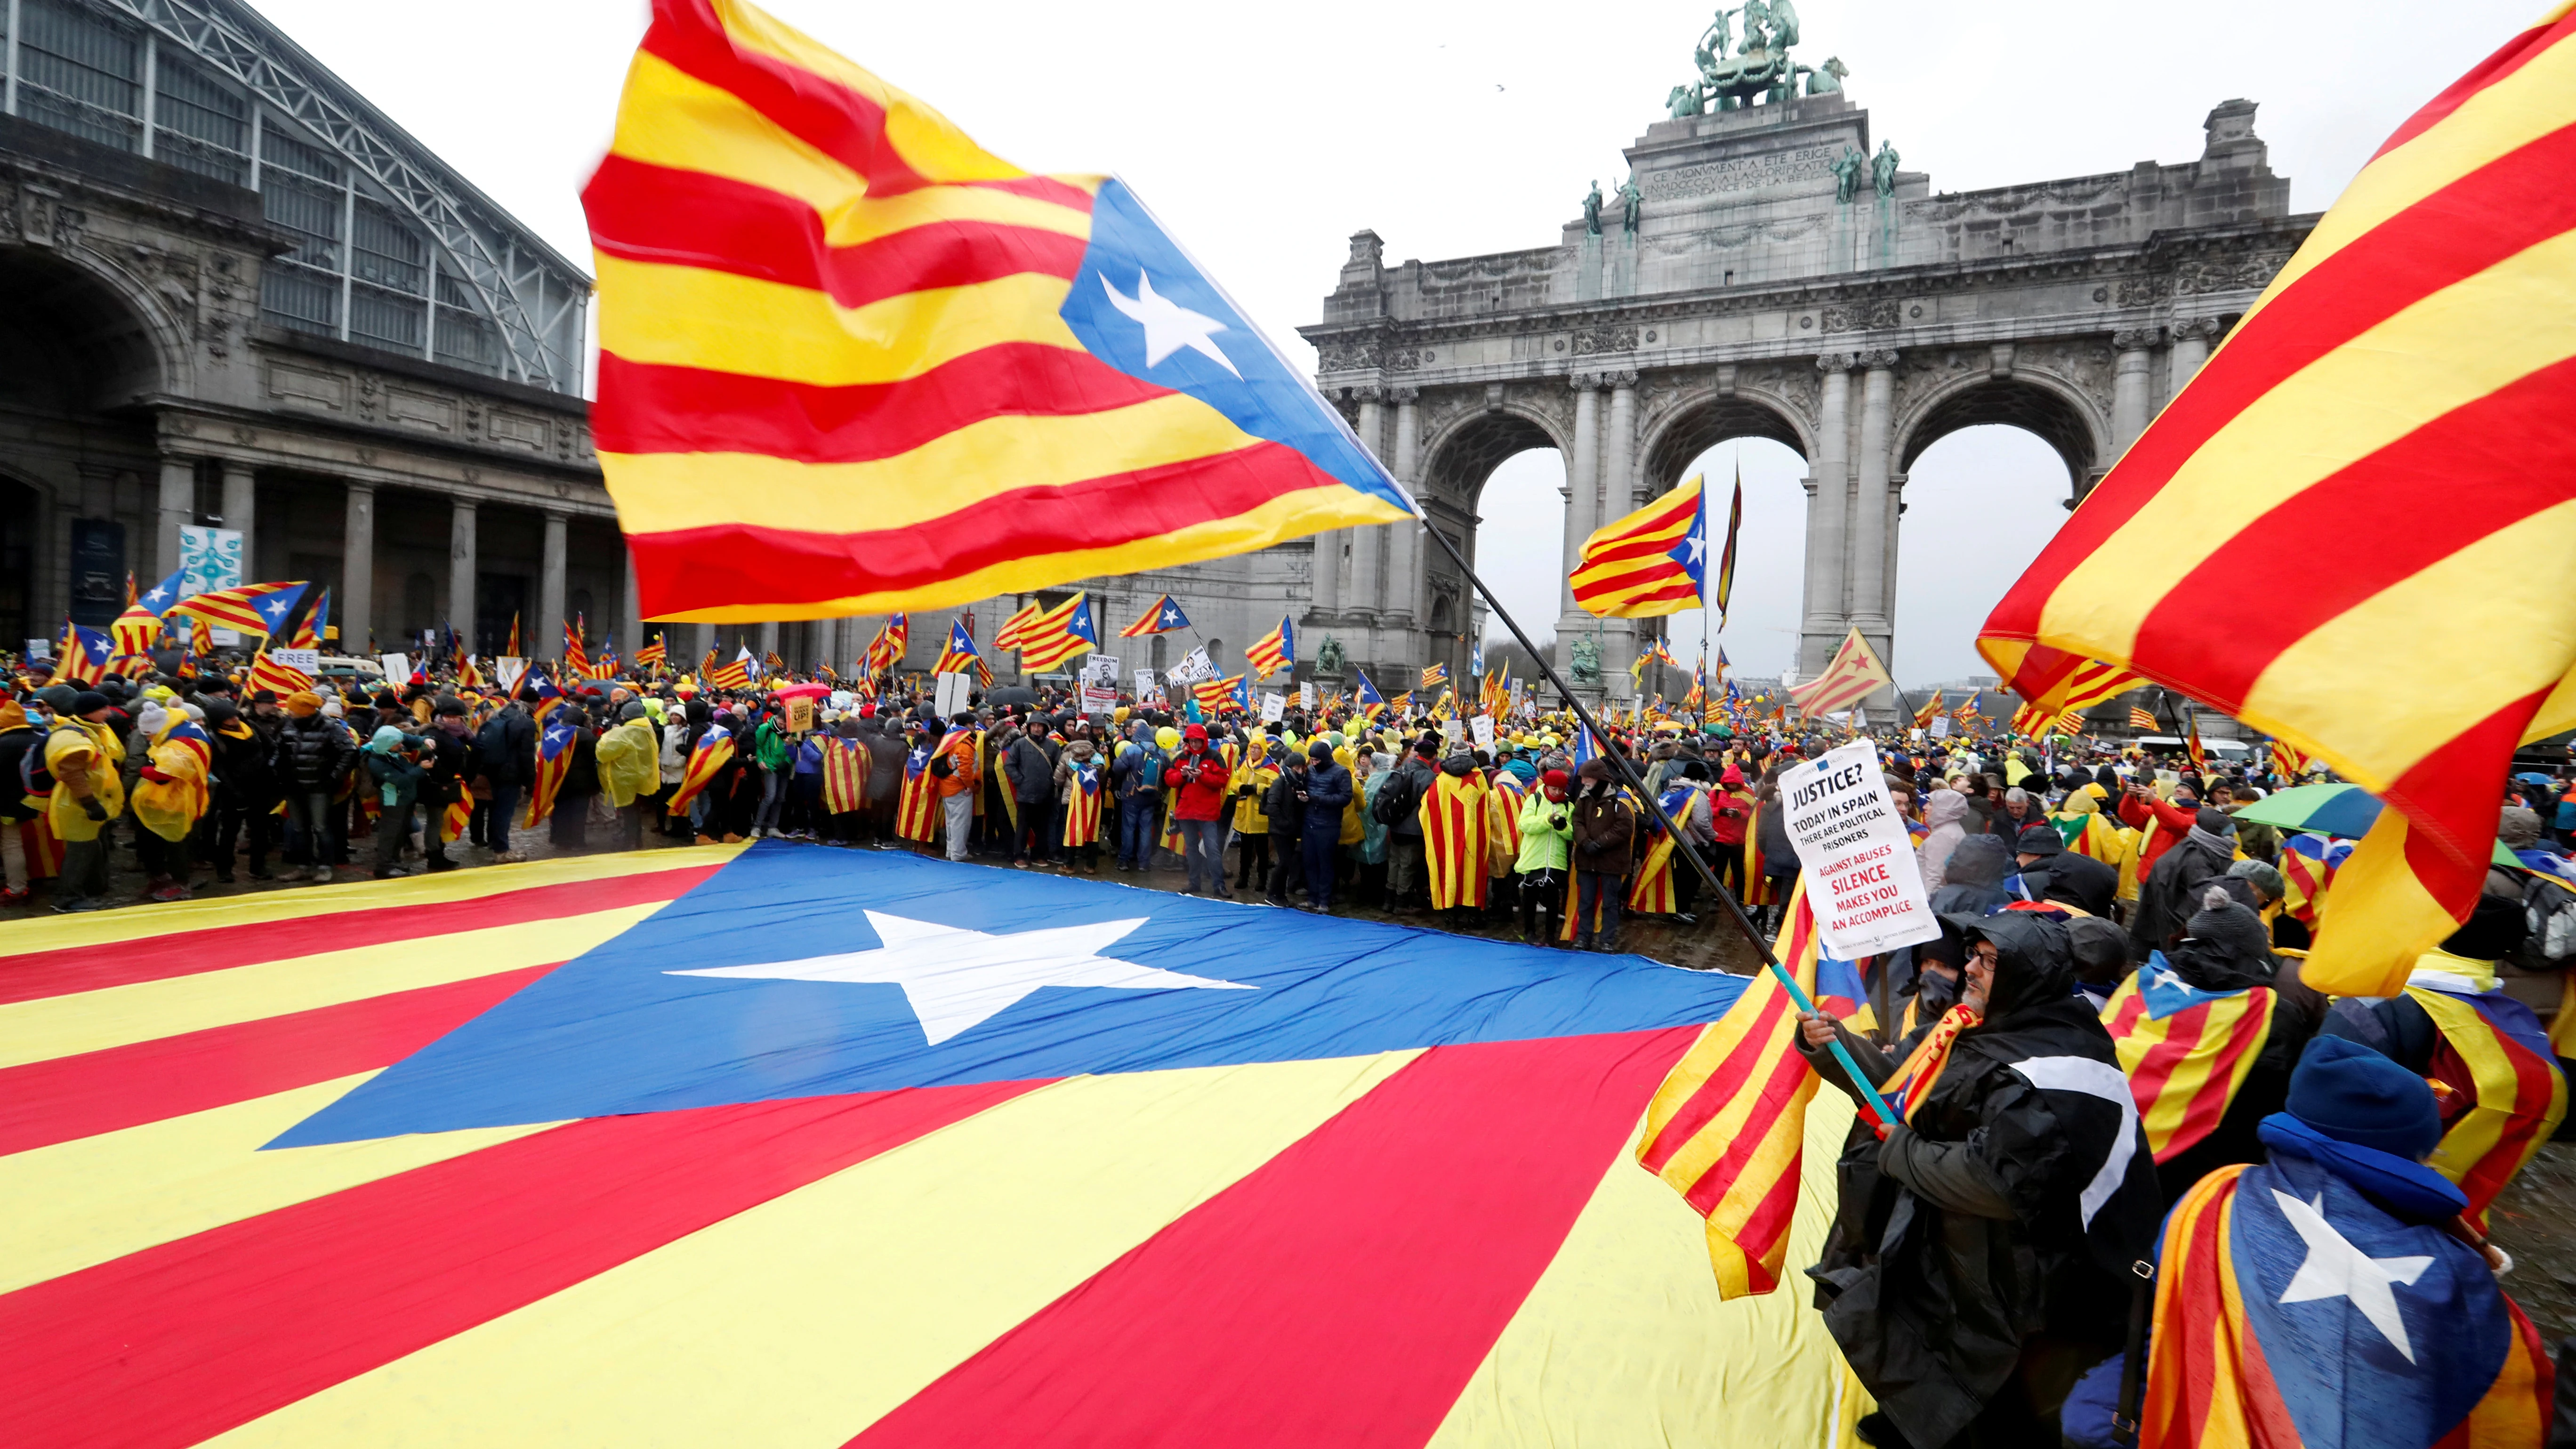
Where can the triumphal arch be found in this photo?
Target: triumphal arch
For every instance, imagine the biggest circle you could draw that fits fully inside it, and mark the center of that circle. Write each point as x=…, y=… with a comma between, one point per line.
x=1768, y=269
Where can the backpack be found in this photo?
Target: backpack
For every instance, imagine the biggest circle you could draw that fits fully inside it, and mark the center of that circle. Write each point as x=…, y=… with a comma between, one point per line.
x=2550, y=910
x=1399, y=797
x=1149, y=770
x=34, y=777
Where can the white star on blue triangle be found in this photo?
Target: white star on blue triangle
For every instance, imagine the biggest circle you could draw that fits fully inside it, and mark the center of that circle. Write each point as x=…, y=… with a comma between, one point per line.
x=1692, y=551
x=161, y=595
x=1171, y=617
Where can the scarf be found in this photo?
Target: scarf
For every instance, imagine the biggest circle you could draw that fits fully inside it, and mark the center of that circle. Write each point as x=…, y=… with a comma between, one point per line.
x=2409, y=1190
x=2225, y=847
x=1923, y=1066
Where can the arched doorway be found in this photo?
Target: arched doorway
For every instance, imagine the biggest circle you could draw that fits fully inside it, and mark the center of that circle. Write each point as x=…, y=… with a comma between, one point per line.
x=1496, y=487
x=1719, y=437
x=1986, y=473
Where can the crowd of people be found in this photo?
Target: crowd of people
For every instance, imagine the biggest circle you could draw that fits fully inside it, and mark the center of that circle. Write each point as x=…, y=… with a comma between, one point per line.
x=2086, y=896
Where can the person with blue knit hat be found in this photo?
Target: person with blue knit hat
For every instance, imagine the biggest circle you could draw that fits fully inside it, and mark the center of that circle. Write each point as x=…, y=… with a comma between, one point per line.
x=2336, y=1290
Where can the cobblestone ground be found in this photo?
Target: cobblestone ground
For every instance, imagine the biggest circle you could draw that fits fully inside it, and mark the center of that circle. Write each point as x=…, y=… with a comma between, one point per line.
x=2534, y=1220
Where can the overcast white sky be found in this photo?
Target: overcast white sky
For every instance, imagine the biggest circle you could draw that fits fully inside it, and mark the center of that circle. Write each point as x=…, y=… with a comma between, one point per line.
x=1265, y=135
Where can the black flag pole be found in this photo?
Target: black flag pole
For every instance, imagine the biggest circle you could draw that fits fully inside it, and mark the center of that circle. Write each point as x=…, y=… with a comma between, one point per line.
x=1681, y=844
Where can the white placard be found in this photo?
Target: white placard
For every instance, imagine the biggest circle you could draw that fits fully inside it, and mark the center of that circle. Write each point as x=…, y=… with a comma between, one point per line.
x=1940, y=726
x=1195, y=667
x=224, y=638
x=1862, y=880
x=397, y=666
x=1482, y=727
x=308, y=660
x=1274, y=706
x=1100, y=699
x=1453, y=730
x=1099, y=668
x=1144, y=683
x=506, y=670
x=1306, y=697
x=950, y=695
x=40, y=649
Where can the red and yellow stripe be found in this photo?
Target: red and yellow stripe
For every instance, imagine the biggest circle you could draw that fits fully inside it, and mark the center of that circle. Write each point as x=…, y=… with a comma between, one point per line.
x=1627, y=569
x=2424, y=338
x=833, y=377
x=1853, y=675
x=2519, y=1099
x=1457, y=832
x=1049, y=639
x=1727, y=1127
x=2184, y=1069
x=1269, y=653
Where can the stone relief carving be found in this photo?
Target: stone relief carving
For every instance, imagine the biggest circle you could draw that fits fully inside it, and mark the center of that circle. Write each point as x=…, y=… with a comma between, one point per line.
x=2227, y=275
x=1860, y=316
x=2140, y=291
x=1730, y=238
x=1590, y=340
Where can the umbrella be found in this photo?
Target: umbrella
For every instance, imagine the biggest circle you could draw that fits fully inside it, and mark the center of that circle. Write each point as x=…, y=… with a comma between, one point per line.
x=2533, y=777
x=2344, y=810
x=1010, y=694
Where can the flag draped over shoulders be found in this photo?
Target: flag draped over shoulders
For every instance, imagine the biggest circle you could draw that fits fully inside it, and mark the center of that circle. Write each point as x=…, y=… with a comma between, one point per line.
x=851, y=362
x=2408, y=380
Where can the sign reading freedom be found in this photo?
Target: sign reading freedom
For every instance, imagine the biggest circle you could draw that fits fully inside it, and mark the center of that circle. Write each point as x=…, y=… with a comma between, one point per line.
x=1862, y=880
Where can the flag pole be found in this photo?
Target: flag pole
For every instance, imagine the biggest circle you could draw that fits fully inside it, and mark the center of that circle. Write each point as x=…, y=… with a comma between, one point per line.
x=1681, y=845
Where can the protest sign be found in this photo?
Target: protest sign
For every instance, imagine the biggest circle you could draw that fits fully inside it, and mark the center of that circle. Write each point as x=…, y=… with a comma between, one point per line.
x=506, y=670
x=396, y=666
x=1274, y=706
x=951, y=694
x=1862, y=879
x=1099, y=699
x=1482, y=727
x=308, y=660
x=1306, y=697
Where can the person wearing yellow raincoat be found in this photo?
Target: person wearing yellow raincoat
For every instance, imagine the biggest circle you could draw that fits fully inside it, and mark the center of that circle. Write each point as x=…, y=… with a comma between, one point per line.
x=630, y=768
x=1249, y=785
x=170, y=796
x=86, y=760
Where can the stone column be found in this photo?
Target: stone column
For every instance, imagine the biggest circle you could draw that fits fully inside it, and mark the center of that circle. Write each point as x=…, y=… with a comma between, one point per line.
x=357, y=605
x=241, y=509
x=550, y=591
x=177, y=508
x=1406, y=583
x=461, y=570
x=1366, y=595
x=2130, y=390
x=630, y=619
x=765, y=644
x=1868, y=590
x=2191, y=342
x=1620, y=487
x=1828, y=517
x=1582, y=491
x=1329, y=597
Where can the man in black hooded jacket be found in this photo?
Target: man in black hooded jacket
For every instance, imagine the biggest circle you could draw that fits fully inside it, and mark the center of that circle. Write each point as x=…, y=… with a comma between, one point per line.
x=1979, y=1259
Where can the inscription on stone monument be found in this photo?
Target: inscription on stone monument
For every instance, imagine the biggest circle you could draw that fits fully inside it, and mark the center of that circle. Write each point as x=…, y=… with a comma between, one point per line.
x=1741, y=173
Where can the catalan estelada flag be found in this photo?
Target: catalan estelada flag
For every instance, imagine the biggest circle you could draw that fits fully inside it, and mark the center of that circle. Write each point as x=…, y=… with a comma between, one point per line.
x=893, y=637
x=2368, y=379
x=1275, y=650
x=576, y=660
x=733, y=675
x=2185, y=1051
x=652, y=655
x=960, y=657
x=1058, y=635
x=710, y=1146
x=1852, y=675
x=1160, y=617
x=1654, y=561
x=255, y=608
x=2293, y=1309
x=1433, y=676
x=709, y=755
x=852, y=362
x=81, y=655
x=1729, y=1125
x=1216, y=694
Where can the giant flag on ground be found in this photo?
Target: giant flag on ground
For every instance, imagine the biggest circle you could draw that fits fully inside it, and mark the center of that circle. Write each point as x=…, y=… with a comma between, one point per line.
x=851, y=362
x=1654, y=561
x=2367, y=378
x=754, y=1165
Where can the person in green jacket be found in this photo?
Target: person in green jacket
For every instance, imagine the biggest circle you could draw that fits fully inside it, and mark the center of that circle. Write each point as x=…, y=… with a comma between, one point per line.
x=1547, y=841
x=775, y=757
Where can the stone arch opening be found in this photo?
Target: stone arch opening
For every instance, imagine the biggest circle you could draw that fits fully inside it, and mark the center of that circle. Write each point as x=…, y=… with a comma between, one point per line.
x=1699, y=427
x=70, y=343
x=1495, y=484
x=1978, y=504
x=2016, y=402
x=18, y=529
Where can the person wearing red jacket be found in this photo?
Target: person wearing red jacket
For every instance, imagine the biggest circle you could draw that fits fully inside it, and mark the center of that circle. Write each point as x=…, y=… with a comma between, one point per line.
x=1199, y=779
x=2139, y=808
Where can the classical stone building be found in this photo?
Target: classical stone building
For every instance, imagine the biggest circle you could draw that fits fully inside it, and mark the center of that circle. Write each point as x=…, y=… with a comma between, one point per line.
x=233, y=293
x=1765, y=274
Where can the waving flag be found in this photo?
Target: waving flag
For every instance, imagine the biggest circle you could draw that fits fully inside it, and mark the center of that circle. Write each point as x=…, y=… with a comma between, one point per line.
x=511, y=649
x=893, y=638
x=2139, y=719
x=555, y=753
x=2364, y=381
x=1216, y=694
x=1973, y=710
x=1929, y=711
x=80, y=658
x=254, y=608
x=1725, y=589
x=1058, y=635
x=1371, y=703
x=652, y=655
x=135, y=630
x=1433, y=676
x=576, y=662
x=1275, y=650
x=850, y=361
x=734, y=675
x=1654, y=561
x=1853, y=675
x=1160, y=617
x=281, y=679
x=960, y=656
